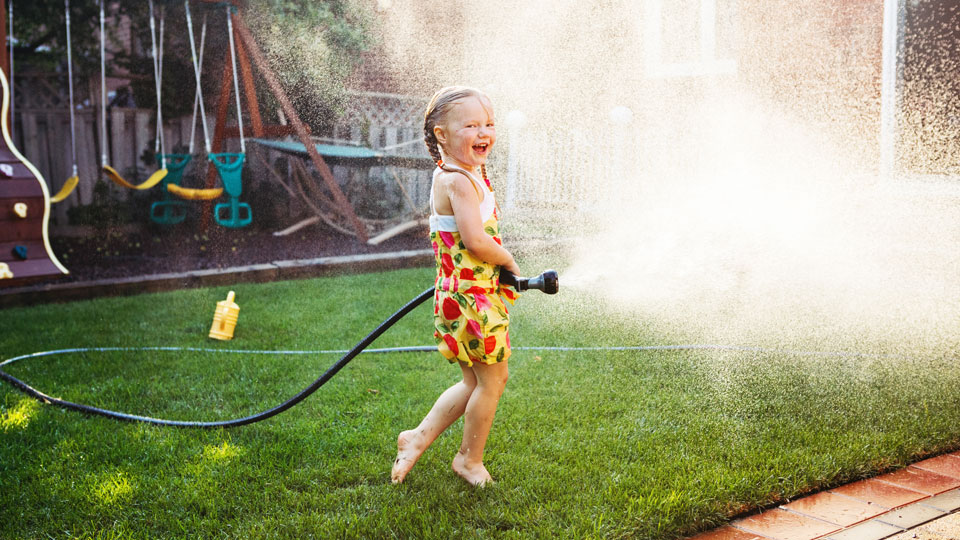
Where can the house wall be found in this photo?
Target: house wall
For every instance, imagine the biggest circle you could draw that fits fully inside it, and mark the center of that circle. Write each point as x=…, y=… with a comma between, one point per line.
x=811, y=66
x=820, y=61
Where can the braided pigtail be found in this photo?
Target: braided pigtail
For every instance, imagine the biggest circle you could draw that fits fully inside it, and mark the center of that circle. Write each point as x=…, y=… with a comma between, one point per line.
x=433, y=147
x=430, y=139
x=435, y=111
x=483, y=173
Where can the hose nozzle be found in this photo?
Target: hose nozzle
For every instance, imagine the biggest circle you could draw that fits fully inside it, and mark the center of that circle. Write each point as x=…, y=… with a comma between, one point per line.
x=548, y=282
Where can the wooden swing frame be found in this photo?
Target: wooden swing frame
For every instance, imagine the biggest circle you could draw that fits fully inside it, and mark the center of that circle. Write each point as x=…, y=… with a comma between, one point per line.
x=247, y=50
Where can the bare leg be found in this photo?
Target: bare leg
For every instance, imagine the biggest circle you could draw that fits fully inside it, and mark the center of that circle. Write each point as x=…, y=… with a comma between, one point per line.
x=449, y=406
x=478, y=419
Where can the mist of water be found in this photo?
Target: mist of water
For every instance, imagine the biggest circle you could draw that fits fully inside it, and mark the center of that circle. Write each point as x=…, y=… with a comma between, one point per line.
x=724, y=179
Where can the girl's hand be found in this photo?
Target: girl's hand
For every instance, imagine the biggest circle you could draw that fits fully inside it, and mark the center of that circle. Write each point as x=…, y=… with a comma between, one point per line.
x=512, y=267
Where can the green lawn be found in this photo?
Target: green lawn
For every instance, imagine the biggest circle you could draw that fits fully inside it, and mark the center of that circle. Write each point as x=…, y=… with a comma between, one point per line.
x=652, y=444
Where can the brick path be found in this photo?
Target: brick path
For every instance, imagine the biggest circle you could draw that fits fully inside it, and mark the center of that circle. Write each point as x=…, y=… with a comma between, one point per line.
x=879, y=508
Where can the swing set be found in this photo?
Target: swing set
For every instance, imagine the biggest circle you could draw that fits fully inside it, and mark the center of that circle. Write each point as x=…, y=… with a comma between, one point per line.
x=169, y=210
x=239, y=68
x=227, y=167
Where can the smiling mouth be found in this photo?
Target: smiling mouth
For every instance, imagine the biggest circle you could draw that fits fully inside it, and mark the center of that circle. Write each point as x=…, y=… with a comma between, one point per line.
x=481, y=148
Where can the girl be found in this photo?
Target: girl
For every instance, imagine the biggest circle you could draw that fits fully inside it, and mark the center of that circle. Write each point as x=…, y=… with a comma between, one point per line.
x=470, y=317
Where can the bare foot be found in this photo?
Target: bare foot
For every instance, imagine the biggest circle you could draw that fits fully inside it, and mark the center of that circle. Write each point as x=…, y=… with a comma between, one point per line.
x=409, y=450
x=477, y=474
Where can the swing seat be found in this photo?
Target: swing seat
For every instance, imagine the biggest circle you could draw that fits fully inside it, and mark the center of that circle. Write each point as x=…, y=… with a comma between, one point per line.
x=168, y=211
x=154, y=179
x=240, y=214
x=176, y=163
x=230, y=168
x=195, y=194
x=66, y=190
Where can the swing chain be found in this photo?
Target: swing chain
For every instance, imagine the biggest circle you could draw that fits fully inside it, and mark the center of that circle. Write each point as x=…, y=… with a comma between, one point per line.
x=73, y=131
x=236, y=83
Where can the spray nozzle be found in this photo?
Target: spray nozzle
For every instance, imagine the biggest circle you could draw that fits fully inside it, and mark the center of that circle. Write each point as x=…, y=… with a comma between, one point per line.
x=548, y=282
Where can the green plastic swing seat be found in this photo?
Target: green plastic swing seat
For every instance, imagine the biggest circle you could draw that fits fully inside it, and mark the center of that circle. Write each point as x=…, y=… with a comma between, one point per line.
x=170, y=211
x=230, y=168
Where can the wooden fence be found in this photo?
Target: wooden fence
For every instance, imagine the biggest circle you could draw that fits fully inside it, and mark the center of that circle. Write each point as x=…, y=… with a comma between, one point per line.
x=41, y=130
x=43, y=136
x=389, y=123
x=393, y=125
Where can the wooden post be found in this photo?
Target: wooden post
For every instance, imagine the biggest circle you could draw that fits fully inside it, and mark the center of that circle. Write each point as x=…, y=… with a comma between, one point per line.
x=343, y=204
x=249, y=90
x=5, y=61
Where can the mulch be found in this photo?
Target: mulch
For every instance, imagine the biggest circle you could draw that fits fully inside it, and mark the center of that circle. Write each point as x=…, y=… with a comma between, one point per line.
x=147, y=250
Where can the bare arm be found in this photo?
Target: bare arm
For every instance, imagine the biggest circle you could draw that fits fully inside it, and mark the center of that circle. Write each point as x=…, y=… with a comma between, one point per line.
x=465, y=203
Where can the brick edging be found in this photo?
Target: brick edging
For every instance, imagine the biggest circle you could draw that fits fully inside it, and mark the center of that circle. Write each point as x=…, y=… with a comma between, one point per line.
x=257, y=273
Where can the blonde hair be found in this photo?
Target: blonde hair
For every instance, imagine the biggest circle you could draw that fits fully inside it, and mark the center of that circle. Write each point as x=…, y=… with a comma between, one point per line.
x=440, y=104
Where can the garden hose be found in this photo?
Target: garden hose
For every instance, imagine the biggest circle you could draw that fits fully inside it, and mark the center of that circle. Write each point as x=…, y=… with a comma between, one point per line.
x=545, y=282
x=327, y=375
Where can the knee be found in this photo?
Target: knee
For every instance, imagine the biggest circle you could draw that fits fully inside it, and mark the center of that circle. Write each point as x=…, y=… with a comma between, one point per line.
x=469, y=383
x=497, y=383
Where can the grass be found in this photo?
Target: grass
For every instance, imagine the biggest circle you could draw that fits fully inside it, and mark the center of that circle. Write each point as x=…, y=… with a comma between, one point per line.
x=614, y=444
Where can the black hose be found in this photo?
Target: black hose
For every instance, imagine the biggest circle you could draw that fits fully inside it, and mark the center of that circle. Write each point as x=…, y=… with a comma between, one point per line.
x=327, y=375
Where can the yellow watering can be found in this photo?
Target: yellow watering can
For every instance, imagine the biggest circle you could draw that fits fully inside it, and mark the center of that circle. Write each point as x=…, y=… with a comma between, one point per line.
x=225, y=318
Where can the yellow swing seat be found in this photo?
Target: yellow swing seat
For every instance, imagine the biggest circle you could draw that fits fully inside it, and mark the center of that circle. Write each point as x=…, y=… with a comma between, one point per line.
x=154, y=179
x=195, y=194
x=66, y=190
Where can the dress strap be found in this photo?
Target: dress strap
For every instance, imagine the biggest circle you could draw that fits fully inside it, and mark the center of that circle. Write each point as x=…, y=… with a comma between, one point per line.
x=433, y=206
x=482, y=187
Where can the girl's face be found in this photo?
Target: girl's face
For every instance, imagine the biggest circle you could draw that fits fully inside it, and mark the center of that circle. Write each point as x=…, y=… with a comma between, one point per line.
x=468, y=133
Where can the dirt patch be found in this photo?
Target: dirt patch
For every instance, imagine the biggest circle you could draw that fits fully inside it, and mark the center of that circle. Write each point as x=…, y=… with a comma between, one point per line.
x=119, y=253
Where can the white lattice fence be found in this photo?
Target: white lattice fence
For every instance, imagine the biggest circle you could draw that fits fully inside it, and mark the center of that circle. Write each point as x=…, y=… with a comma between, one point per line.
x=392, y=124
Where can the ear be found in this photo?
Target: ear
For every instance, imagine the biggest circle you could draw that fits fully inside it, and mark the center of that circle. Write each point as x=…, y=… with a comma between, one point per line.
x=439, y=134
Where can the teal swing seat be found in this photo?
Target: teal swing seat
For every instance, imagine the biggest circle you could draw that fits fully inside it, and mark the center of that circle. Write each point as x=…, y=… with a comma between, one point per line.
x=230, y=168
x=169, y=211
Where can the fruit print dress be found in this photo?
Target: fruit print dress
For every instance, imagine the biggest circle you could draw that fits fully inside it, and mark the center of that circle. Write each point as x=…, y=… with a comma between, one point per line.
x=471, y=321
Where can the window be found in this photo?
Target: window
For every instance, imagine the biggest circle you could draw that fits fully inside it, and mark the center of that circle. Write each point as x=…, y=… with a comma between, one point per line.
x=688, y=38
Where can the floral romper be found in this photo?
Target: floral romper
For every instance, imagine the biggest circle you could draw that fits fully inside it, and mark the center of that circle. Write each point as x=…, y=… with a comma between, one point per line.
x=470, y=318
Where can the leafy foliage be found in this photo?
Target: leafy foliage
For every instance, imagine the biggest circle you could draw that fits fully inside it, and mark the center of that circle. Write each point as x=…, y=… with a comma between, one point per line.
x=312, y=46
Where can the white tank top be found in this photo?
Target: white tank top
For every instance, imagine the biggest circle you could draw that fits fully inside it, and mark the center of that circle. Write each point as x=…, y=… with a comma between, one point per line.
x=449, y=223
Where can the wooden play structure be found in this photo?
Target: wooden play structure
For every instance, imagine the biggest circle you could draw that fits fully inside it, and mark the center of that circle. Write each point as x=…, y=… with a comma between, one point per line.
x=26, y=198
x=25, y=253
x=247, y=50
x=308, y=157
